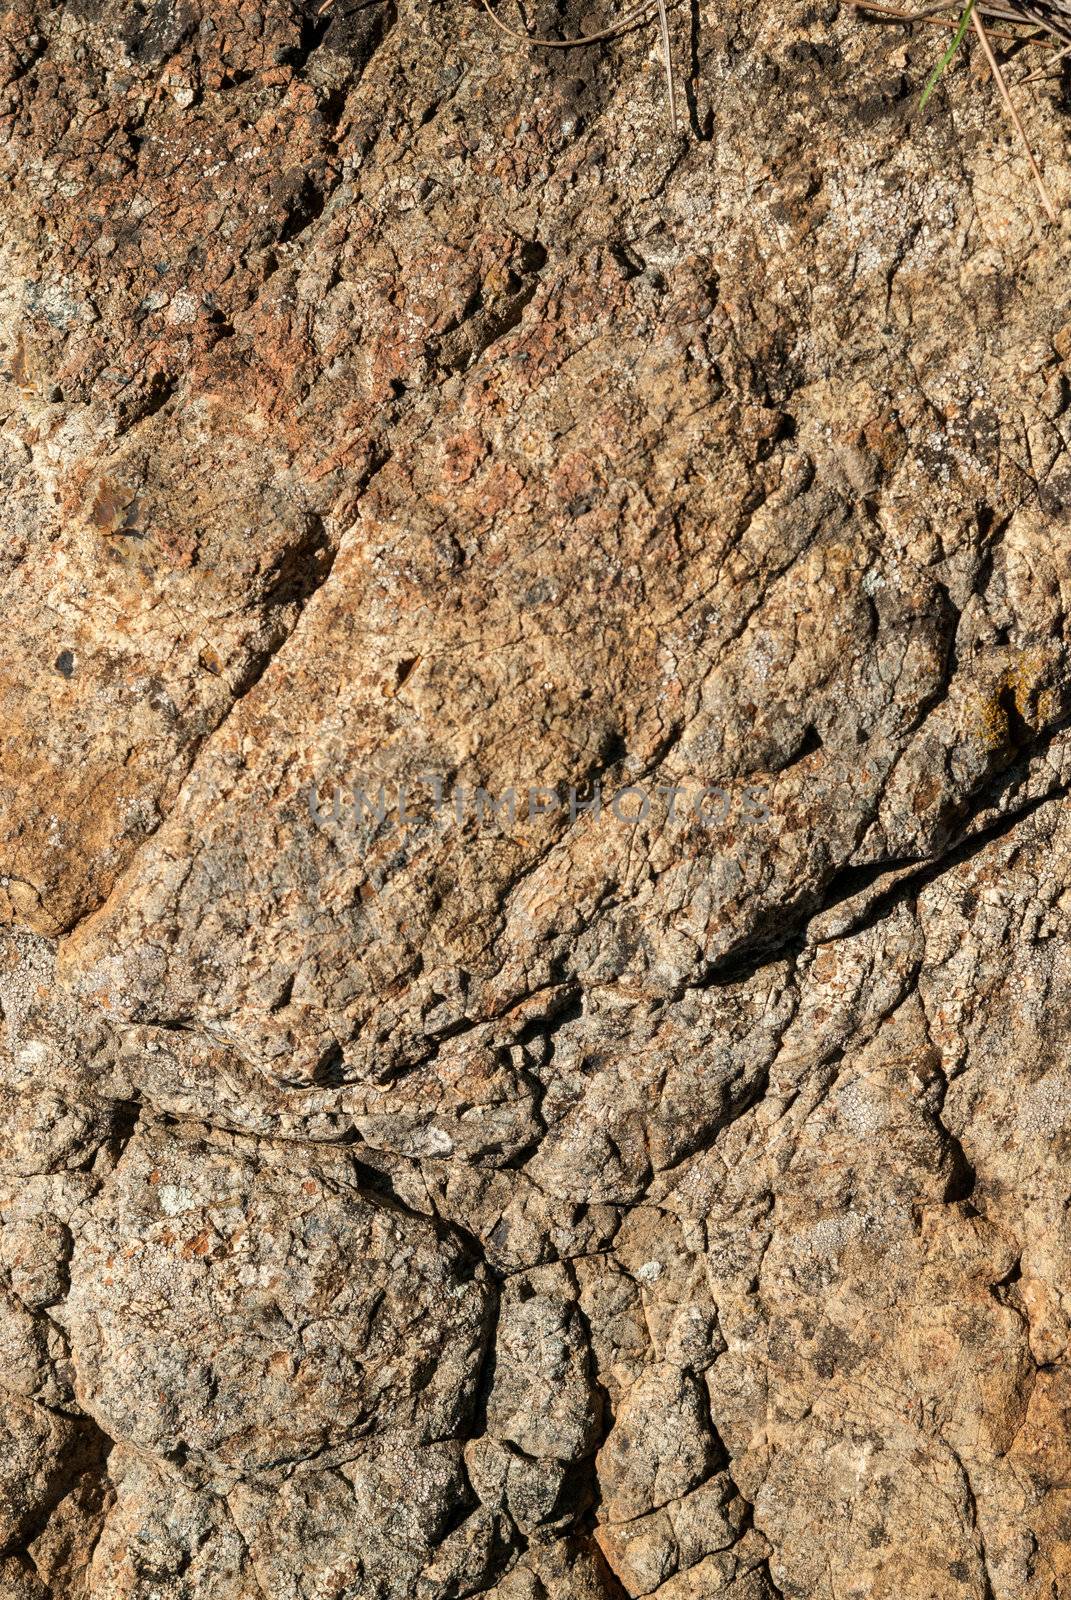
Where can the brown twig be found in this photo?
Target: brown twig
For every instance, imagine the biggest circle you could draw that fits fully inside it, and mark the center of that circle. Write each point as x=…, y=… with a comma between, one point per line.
x=994, y=67
x=667, y=57
x=631, y=19
x=1046, y=70
x=897, y=15
x=1049, y=18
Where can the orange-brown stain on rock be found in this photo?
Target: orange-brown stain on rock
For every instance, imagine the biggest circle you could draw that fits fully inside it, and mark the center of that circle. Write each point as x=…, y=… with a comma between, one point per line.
x=110, y=508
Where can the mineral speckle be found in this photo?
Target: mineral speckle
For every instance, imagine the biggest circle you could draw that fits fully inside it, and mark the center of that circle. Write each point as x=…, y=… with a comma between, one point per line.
x=563, y=1200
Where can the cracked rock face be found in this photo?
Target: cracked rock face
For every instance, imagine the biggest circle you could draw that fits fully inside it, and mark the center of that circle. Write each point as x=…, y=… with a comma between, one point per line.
x=535, y=727
x=321, y=1319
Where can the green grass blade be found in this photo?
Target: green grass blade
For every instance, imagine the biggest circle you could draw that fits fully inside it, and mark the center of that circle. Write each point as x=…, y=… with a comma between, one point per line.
x=931, y=81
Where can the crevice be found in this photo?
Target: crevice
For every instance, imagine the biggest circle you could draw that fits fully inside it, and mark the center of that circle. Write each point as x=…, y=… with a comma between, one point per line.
x=306, y=204
x=587, y=1516
x=35, y=54
x=963, y=1179
x=702, y=131
x=354, y=31
x=478, y=326
x=785, y=930
x=972, y=1507
x=774, y=1592
x=808, y=745
x=88, y=1455
x=909, y=885
x=313, y=30
x=145, y=403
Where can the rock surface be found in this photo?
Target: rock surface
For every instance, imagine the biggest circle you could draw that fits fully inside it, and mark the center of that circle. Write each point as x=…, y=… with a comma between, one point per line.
x=535, y=728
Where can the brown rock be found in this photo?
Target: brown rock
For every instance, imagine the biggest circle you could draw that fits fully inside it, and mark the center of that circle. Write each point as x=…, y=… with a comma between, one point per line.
x=534, y=732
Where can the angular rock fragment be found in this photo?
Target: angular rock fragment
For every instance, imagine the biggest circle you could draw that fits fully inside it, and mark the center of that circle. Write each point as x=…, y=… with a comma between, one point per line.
x=247, y=1312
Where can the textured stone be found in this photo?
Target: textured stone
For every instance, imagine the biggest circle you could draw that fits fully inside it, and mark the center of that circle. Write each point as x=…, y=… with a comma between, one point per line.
x=547, y=1202
x=319, y=1317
